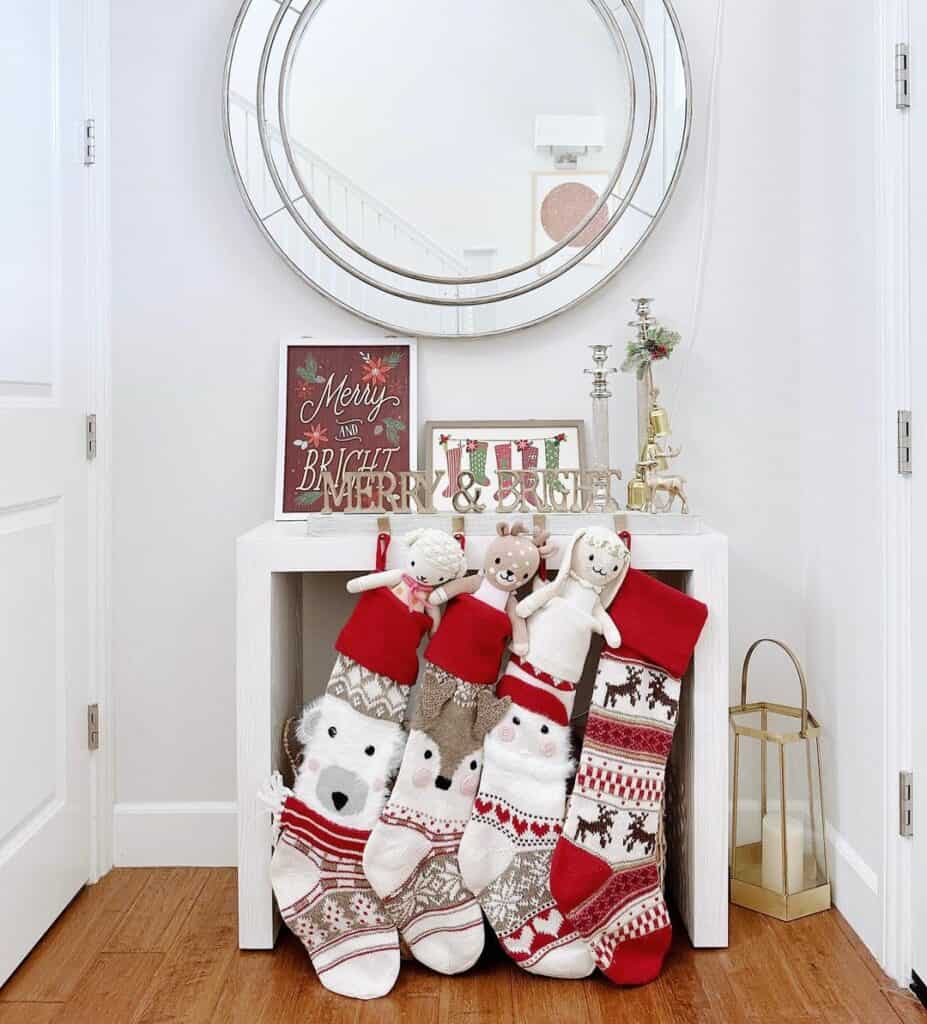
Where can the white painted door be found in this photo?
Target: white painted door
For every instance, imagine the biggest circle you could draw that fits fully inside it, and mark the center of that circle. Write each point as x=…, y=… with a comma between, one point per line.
x=44, y=518
x=917, y=126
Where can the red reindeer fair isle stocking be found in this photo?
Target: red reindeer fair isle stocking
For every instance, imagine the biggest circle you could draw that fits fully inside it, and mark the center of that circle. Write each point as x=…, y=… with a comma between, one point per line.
x=604, y=874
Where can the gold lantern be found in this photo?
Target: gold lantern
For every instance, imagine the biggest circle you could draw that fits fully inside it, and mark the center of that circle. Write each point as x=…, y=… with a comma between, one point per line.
x=778, y=851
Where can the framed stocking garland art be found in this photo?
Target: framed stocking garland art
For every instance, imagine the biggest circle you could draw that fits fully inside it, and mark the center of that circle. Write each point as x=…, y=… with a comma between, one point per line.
x=485, y=448
x=344, y=407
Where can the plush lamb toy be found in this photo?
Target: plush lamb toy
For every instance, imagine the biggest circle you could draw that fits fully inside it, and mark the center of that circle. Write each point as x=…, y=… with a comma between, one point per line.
x=353, y=739
x=433, y=558
x=411, y=859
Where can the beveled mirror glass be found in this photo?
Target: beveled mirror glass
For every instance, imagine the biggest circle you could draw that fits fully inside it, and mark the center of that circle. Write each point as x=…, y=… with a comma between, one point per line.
x=457, y=169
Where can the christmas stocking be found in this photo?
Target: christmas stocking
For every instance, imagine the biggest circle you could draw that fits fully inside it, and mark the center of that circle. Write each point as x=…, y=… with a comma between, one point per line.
x=604, y=874
x=529, y=460
x=352, y=739
x=453, y=471
x=552, y=463
x=507, y=846
x=411, y=858
x=477, y=452
x=503, y=461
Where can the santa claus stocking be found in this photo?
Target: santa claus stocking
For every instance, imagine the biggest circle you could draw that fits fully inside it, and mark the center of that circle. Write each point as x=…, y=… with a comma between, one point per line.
x=503, y=462
x=453, y=471
x=476, y=453
x=604, y=874
x=506, y=850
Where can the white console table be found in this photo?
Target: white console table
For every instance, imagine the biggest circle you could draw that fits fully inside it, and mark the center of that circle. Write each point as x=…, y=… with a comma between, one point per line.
x=272, y=560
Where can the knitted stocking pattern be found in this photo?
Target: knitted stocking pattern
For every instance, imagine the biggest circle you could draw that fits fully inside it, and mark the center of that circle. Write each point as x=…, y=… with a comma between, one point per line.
x=326, y=901
x=605, y=874
x=411, y=858
x=506, y=851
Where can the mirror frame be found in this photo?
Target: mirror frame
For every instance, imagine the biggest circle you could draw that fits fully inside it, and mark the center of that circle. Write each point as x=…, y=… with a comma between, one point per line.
x=458, y=302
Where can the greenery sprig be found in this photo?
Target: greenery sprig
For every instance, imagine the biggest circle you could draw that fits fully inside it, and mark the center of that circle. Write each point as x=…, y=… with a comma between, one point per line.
x=658, y=344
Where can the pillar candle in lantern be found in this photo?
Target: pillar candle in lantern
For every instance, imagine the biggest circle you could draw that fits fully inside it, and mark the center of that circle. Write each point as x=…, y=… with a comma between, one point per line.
x=772, y=852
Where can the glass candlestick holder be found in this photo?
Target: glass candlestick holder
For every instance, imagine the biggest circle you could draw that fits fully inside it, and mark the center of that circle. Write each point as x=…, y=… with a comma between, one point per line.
x=600, y=395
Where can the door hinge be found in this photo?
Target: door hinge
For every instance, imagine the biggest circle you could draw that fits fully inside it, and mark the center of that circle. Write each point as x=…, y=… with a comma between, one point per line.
x=905, y=447
x=90, y=142
x=906, y=803
x=93, y=726
x=91, y=435
x=902, y=77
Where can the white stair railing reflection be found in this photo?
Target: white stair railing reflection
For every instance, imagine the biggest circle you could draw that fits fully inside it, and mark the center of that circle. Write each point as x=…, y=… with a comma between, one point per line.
x=360, y=215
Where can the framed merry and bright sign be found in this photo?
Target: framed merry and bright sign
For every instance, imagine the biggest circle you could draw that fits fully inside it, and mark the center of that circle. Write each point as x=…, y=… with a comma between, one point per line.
x=345, y=406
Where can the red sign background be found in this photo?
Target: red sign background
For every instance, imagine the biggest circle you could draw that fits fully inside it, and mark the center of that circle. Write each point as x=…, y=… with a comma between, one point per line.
x=348, y=409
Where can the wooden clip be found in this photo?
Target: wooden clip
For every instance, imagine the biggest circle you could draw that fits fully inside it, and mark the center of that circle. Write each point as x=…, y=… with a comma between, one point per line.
x=458, y=529
x=383, y=524
x=540, y=523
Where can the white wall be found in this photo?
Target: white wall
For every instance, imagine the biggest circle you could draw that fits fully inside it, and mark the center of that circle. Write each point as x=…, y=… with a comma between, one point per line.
x=200, y=302
x=841, y=432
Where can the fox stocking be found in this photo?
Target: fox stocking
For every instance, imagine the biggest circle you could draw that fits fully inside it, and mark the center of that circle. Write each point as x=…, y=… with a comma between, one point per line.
x=411, y=858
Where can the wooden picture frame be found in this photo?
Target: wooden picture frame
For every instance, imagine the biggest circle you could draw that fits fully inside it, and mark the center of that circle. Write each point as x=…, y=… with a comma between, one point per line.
x=495, y=433
x=364, y=391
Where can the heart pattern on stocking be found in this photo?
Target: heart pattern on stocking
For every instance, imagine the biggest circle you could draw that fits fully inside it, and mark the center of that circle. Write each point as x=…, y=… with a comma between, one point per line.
x=522, y=942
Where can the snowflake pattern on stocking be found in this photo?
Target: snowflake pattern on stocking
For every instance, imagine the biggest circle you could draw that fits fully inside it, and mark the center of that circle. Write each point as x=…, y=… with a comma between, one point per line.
x=436, y=886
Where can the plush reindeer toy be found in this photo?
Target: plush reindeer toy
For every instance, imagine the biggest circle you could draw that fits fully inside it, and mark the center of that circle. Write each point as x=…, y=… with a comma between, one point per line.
x=411, y=858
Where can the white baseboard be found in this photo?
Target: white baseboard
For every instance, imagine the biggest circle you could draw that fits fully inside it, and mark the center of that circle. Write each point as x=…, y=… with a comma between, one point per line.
x=154, y=835
x=856, y=891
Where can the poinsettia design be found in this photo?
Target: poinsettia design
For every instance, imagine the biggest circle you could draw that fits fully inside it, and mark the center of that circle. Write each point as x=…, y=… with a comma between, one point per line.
x=523, y=445
x=443, y=440
x=471, y=445
x=375, y=370
x=317, y=436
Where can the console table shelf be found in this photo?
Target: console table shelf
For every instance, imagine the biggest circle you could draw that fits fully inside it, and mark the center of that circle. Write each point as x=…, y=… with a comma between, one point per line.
x=271, y=563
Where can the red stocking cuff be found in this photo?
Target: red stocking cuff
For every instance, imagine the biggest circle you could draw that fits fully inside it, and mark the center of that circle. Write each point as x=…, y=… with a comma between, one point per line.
x=383, y=635
x=657, y=623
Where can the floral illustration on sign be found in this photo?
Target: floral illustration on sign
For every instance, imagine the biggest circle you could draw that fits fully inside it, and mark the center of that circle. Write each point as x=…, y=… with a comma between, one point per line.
x=347, y=411
x=309, y=371
x=317, y=436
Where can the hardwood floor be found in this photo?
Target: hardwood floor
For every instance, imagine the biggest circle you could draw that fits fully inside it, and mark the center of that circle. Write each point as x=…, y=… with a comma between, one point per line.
x=146, y=946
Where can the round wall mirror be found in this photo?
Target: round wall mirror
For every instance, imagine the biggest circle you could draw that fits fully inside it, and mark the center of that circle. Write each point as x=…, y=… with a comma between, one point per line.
x=457, y=170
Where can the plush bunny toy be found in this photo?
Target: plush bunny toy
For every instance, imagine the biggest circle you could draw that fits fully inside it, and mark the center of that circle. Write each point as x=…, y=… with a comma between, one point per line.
x=562, y=616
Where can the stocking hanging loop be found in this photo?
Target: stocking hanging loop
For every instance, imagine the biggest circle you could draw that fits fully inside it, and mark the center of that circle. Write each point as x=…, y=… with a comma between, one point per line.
x=383, y=540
